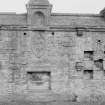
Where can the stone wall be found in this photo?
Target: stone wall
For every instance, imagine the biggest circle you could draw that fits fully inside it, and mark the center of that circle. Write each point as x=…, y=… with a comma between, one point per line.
x=61, y=64
x=49, y=57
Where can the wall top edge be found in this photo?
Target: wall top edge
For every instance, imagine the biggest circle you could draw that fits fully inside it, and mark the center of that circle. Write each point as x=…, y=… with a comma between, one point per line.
x=76, y=14
x=56, y=14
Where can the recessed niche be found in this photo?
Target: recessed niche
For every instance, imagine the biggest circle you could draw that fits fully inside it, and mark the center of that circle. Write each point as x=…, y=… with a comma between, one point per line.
x=88, y=74
x=38, y=19
x=88, y=55
x=79, y=32
x=39, y=80
x=99, y=63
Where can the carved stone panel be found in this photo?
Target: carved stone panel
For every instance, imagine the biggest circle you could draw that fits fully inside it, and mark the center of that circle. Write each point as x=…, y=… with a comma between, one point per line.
x=38, y=44
x=38, y=80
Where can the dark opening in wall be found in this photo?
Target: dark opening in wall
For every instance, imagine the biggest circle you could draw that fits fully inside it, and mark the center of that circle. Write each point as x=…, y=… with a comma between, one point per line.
x=74, y=98
x=79, y=32
x=99, y=41
x=99, y=63
x=25, y=33
x=88, y=74
x=53, y=33
x=88, y=55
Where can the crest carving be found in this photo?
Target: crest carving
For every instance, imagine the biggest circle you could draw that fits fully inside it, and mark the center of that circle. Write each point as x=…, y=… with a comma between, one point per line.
x=38, y=44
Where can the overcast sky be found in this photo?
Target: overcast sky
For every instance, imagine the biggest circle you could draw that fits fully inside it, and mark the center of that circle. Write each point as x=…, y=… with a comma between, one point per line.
x=62, y=6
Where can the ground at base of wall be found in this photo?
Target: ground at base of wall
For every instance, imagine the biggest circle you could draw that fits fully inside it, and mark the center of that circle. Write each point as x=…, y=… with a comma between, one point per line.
x=50, y=103
x=87, y=100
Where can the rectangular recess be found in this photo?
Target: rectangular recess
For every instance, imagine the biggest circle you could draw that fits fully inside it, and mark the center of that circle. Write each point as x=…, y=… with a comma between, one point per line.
x=88, y=74
x=88, y=55
x=39, y=79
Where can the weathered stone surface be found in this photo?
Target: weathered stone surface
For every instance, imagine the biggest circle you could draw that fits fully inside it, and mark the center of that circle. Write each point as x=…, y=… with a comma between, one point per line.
x=42, y=57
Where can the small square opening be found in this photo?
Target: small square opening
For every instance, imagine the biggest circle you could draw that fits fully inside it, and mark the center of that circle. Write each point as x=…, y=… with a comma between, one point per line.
x=99, y=63
x=88, y=55
x=79, y=32
x=88, y=74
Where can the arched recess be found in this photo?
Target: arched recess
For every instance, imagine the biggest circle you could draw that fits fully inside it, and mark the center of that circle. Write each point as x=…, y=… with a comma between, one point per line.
x=38, y=19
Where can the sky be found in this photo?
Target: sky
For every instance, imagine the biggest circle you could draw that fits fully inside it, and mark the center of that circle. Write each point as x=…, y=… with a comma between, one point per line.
x=59, y=6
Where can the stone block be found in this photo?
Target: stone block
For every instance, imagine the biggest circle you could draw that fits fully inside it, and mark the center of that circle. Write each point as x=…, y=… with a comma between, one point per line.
x=98, y=74
x=88, y=43
x=88, y=65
